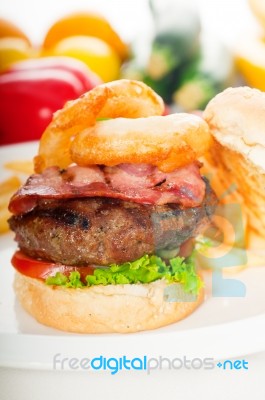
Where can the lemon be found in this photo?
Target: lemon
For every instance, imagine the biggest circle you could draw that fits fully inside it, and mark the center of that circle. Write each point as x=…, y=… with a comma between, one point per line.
x=258, y=9
x=13, y=49
x=85, y=24
x=250, y=61
x=8, y=29
x=94, y=52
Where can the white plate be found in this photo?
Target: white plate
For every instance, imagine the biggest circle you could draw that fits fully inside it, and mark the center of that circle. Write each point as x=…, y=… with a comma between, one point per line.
x=223, y=327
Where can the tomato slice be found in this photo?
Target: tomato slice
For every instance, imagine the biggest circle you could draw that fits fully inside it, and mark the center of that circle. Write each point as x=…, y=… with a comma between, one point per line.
x=42, y=269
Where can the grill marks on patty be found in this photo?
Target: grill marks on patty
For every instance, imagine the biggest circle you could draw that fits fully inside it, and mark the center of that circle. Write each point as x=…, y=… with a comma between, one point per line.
x=116, y=230
x=66, y=217
x=103, y=231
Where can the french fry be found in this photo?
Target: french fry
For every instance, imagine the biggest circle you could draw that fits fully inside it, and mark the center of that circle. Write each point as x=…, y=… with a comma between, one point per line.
x=9, y=185
x=7, y=188
x=4, y=215
x=4, y=199
x=25, y=167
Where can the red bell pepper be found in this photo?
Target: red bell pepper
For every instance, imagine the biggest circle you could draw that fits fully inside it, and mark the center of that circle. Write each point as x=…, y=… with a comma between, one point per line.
x=32, y=90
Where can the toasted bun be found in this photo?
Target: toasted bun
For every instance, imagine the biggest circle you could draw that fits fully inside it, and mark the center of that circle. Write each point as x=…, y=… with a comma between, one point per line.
x=236, y=160
x=103, y=309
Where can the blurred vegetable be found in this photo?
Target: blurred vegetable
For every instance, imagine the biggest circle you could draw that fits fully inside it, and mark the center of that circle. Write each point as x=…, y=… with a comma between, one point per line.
x=250, y=60
x=98, y=55
x=31, y=91
x=208, y=75
x=76, y=67
x=186, y=68
x=166, y=85
x=174, y=46
x=8, y=29
x=176, y=39
x=85, y=24
x=13, y=49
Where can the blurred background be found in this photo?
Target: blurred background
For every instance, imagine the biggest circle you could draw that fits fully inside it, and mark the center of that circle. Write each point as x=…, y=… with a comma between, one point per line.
x=186, y=50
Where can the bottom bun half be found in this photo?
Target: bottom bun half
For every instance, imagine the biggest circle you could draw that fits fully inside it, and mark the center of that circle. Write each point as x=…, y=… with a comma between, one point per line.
x=105, y=309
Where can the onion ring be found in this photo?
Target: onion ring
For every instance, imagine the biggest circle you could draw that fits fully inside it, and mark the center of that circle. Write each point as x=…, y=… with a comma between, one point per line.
x=122, y=98
x=167, y=142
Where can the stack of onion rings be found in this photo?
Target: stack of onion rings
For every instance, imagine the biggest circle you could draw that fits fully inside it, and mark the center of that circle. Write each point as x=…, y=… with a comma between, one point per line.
x=135, y=132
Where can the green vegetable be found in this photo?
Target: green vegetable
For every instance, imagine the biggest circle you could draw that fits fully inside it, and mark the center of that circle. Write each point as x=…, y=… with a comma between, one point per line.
x=73, y=280
x=144, y=270
x=58, y=280
x=163, y=87
x=160, y=61
x=208, y=75
x=176, y=39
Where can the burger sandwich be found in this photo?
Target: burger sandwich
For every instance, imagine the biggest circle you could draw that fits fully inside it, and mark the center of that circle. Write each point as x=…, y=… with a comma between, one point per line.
x=106, y=225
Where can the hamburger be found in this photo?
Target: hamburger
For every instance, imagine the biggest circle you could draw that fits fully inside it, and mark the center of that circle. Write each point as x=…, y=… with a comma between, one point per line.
x=106, y=225
x=236, y=162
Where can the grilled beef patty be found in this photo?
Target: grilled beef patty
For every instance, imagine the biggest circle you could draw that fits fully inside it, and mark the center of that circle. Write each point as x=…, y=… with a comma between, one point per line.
x=102, y=231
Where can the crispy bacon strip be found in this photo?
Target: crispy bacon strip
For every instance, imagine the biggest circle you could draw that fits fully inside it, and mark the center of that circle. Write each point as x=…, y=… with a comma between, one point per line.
x=140, y=183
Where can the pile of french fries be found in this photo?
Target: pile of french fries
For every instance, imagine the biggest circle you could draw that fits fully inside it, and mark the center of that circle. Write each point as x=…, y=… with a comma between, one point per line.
x=9, y=186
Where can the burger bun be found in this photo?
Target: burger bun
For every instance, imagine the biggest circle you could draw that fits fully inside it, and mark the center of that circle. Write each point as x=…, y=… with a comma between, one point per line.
x=105, y=309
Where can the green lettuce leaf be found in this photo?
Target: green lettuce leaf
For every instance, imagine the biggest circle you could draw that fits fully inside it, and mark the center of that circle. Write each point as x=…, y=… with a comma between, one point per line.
x=144, y=270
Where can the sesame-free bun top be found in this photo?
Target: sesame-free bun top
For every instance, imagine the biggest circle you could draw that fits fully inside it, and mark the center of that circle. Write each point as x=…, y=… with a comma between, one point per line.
x=236, y=118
